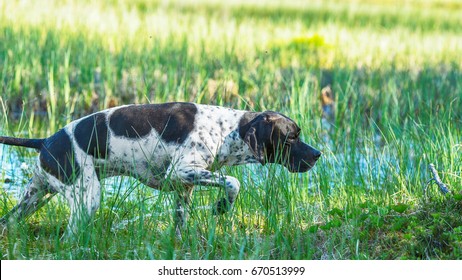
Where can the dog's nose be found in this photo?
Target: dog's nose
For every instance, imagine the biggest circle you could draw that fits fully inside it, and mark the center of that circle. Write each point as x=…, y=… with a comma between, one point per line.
x=317, y=155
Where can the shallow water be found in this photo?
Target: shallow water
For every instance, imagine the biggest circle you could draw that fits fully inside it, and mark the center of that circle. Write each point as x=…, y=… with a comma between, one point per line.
x=15, y=171
x=373, y=165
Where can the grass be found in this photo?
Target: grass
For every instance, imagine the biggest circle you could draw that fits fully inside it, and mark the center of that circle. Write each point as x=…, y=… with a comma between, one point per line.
x=396, y=74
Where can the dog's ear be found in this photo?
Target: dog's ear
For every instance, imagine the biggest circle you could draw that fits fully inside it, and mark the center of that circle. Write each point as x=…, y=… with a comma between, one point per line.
x=257, y=135
x=255, y=145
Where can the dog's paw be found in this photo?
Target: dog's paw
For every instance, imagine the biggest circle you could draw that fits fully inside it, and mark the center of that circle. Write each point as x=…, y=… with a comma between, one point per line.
x=221, y=207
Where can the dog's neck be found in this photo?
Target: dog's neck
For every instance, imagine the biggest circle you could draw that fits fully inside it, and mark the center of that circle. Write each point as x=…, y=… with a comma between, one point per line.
x=234, y=151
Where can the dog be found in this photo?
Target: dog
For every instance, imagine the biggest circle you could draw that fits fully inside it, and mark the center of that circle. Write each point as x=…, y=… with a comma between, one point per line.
x=183, y=144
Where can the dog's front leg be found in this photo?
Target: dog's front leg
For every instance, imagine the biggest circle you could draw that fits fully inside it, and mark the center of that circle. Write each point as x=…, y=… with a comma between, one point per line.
x=207, y=178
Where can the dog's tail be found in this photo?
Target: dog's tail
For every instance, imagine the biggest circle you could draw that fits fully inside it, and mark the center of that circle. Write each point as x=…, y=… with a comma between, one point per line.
x=29, y=143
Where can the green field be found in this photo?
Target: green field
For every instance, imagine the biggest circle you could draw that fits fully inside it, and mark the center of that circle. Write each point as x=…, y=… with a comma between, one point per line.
x=396, y=73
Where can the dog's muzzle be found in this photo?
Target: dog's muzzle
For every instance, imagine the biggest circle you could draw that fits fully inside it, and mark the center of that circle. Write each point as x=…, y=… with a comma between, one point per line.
x=302, y=158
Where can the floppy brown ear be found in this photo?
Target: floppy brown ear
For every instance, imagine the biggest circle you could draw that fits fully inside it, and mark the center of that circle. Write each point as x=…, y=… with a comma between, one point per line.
x=255, y=145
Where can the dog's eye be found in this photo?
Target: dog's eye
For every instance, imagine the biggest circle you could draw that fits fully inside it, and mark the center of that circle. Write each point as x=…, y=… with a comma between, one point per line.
x=292, y=137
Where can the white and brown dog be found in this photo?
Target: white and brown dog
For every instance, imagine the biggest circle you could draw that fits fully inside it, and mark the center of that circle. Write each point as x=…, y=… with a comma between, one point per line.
x=182, y=142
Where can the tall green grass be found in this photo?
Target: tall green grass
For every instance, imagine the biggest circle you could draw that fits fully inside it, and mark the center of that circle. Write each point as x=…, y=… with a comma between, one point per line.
x=396, y=75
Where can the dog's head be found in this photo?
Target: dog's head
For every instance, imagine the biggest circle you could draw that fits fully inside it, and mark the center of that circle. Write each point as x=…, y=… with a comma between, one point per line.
x=275, y=138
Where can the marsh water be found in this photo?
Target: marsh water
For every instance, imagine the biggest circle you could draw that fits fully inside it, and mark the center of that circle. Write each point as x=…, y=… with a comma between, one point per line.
x=370, y=166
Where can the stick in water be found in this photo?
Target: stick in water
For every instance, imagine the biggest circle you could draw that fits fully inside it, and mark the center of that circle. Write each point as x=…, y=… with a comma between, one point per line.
x=443, y=188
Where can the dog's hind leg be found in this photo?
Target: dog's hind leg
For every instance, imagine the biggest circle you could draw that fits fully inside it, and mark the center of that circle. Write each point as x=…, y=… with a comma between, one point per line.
x=84, y=200
x=36, y=195
x=182, y=202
